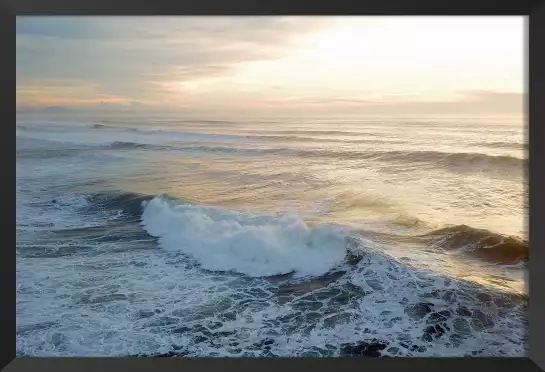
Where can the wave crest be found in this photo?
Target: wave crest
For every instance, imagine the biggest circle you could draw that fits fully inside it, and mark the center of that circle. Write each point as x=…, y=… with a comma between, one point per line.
x=121, y=145
x=454, y=161
x=254, y=245
x=482, y=243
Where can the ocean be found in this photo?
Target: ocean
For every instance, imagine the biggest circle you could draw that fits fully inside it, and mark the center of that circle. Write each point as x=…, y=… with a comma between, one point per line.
x=150, y=236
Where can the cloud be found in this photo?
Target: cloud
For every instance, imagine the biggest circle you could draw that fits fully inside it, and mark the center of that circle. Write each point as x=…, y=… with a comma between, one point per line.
x=58, y=27
x=126, y=56
x=36, y=92
x=274, y=63
x=469, y=103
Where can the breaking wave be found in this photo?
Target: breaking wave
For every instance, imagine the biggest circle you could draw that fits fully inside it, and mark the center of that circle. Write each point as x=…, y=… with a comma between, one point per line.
x=481, y=243
x=224, y=240
x=304, y=290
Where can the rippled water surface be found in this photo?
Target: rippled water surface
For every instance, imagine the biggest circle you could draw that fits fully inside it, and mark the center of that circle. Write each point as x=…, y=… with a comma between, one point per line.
x=147, y=236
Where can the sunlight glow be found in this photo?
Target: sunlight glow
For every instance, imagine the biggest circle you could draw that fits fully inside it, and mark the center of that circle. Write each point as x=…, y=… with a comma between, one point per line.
x=374, y=60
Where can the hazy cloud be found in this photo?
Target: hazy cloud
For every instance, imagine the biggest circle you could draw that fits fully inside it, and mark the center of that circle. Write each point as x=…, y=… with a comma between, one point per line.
x=275, y=63
x=124, y=55
x=472, y=102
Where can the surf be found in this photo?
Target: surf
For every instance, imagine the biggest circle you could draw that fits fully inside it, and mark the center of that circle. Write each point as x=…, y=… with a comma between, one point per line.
x=254, y=245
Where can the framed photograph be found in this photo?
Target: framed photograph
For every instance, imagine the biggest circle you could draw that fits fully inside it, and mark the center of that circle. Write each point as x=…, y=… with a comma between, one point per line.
x=246, y=186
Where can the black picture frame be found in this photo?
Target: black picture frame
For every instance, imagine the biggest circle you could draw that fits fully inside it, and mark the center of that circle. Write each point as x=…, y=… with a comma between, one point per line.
x=535, y=10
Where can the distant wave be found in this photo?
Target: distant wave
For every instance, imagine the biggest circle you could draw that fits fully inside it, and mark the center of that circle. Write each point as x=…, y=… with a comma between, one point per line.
x=38, y=127
x=131, y=145
x=46, y=153
x=455, y=159
x=212, y=143
x=481, y=243
x=328, y=140
x=237, y=150
x=325, y=133
x=113, y=128
x=504, y=145
x=31, y=148
x=462, y=161
x=207, y=122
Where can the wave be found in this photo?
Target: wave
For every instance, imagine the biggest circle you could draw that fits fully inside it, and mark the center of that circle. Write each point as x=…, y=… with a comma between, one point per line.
x=173, y=211
x=113, y=128
x=461, y=161
x=481, y=243
x=211, y=149
x=47, y=153
x=207, y=122
x=326, y=133
x=414, y=311
x=31, y=148
x=276, y=244
x=503, y=145
x=127, y=202
x=190, y=136
x=347, y=200
x=444, y=158
x=456, y=159
x=254, y=245
x=121, y=145
x=327, y=140
x=172, y=135
x=40, y=127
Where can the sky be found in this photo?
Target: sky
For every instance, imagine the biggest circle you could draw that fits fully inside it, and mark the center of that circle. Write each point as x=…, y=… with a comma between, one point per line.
x=265, y=65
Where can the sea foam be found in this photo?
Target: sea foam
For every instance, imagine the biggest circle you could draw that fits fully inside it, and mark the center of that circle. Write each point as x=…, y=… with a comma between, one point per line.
x=254, y=245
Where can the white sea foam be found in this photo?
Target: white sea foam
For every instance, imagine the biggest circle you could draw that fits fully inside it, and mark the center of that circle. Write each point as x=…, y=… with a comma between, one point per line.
x=59, y=214
x=224, y=240
x=139, y=300
x=144, y=300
